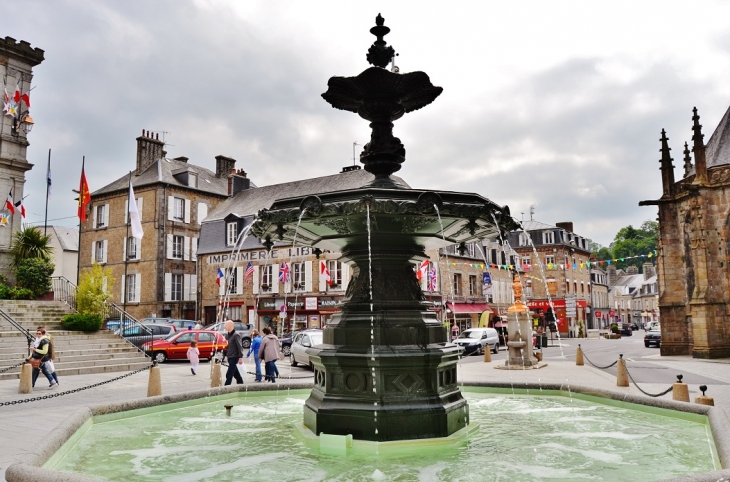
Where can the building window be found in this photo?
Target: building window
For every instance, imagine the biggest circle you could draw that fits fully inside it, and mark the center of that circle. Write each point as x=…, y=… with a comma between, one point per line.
x=178, y=209
x=231, y=234
x=231, y=281
x=548, y=237
x=101, y=216
x=457, y=284
x=176, y=287
x=266, y=279
x=99, y=252
x=177, y=247
x=132, y=243
x=192, y=179
x=524, y=239
x=567, y=286
x=526, y=263
x=528, y=288
x=335, y=269
x=470, y=249
x=132, y=288
x=549, y=260
x=298, y=276
x=472, y=285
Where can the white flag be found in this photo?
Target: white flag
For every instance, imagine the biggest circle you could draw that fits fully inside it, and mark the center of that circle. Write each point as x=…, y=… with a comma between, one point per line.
x=134, y=214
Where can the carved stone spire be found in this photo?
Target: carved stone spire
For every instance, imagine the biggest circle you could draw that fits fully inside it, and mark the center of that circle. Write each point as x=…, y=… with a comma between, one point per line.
x=667, y=167
x=698, y=148
x=380, y=54
x=687, y=161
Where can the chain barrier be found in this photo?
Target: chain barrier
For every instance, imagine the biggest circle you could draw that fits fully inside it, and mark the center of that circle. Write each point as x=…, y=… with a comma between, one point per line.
x=600, y=368
x=10, y=368
x=75, y=390
x=646, y=393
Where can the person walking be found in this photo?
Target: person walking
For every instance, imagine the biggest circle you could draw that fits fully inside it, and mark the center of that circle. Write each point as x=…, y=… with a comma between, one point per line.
x=269, y=353
x=194, y=357
x=255, y=346
x=40, y=349
x=234, y=353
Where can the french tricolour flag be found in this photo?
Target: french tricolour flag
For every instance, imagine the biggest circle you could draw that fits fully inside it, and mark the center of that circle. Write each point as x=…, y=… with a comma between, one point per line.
x=219, y=278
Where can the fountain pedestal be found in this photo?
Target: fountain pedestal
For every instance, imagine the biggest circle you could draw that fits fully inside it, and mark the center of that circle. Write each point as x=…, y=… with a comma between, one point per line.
x=519, y=332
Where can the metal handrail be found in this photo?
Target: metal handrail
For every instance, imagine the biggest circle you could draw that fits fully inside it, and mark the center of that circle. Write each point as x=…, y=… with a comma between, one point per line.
x=17, y=326
x=64, y=290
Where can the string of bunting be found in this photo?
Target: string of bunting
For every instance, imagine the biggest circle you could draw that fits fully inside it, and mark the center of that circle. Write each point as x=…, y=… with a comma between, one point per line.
x=552, y=266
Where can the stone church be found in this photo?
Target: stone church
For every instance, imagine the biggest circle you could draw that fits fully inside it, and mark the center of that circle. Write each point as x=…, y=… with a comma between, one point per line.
x=694, y=239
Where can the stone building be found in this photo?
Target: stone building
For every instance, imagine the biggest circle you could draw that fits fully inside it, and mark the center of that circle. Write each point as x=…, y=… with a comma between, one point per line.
x=600, y=307
x=17, y=60
x=694, y=238
x=623, y=295
x=555, y=262
x=310, y=299
x=157, y=275
x=65, y=257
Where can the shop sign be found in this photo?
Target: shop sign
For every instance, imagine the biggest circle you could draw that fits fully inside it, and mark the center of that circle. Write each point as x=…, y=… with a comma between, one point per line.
x=259, y=255
x=598, y=314
x=310, y=303
x=611, y=313
x=329, y=303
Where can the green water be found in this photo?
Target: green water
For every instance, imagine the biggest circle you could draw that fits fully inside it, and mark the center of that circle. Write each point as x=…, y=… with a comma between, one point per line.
x=519, y=438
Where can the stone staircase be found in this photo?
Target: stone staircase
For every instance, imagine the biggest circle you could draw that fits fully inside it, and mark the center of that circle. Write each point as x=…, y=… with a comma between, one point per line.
x=76, y=352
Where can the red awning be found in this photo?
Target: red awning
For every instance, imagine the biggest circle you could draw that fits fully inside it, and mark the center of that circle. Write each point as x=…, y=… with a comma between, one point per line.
x=469, y=307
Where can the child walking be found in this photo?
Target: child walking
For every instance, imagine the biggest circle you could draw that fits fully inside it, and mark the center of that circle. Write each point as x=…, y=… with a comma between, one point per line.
x=194, y=356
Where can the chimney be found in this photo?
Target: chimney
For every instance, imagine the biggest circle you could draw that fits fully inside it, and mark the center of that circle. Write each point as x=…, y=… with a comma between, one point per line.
x=632, y=269
x=667, y=167
x=237, y=182
x=223, y=166
x=181, y=159
x=649, y=270
x=568, y=226
x=149, y=149
x=612, y=276
x=350, y=168
x=698, y=147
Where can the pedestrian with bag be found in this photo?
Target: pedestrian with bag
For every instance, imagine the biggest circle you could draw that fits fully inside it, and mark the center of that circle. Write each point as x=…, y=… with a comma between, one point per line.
x=39, y=356
x=234, y=353
x=255, y=347
x=269, y=352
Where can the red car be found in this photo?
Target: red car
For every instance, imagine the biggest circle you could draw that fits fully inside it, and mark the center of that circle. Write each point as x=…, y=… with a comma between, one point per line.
x=175, y=346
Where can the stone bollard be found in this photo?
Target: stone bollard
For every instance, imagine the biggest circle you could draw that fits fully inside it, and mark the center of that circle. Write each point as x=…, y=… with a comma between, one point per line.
x=487, y=354
x=704, y=400
x=579, y=356
x=215, y=375
x=622, y=376
x=154, y=383
x=680, y=391
x=26, y=379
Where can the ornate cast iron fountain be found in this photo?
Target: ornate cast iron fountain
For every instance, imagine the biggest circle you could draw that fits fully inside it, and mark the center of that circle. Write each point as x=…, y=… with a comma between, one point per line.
x=385, y=370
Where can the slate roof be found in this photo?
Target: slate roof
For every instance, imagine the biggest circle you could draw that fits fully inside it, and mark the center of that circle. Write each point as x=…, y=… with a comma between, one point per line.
x=68, y=238
x=249, y=202
x=161, y=171
x=717, y=151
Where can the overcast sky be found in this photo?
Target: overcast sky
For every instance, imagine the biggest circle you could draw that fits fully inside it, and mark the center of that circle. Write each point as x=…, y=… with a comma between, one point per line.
x=556, y=104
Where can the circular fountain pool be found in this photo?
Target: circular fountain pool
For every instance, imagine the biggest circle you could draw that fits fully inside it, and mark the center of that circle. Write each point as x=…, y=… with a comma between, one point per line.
x=512, y=437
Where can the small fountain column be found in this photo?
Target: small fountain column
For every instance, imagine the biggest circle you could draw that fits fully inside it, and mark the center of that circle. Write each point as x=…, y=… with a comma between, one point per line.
x=519, y=331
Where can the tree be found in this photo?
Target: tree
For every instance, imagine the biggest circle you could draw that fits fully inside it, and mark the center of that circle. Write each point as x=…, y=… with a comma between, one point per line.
x=630, y=241
x=30, y=243
x=95, y=285
x=35, y=275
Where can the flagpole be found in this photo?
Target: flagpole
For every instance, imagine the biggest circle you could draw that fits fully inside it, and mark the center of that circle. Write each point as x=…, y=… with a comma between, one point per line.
x=126, y=242
x=81, y=203
x=48, y=176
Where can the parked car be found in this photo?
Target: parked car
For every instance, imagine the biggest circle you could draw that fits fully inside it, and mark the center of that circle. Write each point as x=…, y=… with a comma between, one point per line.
x=652, y=325
x=634, y=326
x=175, y=346
x=303, y=340
x=653, y=337
x=244, y=329
x=137, y=335
x=475, y=340
x=625, y=329
x=286, y=340
x=179, y=324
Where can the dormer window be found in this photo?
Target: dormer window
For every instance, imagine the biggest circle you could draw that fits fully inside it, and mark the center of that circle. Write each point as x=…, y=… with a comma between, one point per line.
x=231, y=233
x=548, y=237
x=192, y=179
x=524, y=239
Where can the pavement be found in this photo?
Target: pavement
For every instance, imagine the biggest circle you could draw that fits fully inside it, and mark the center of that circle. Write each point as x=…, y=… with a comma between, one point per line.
x=26, y=424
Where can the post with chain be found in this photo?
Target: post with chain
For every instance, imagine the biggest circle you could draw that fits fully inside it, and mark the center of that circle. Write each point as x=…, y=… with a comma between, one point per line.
x=154, y=383
x=579, y=356
x=26, y=379
x=680, y=391
x=487, y=354
x=215, y=373
x=703, y=399
x=622, y=376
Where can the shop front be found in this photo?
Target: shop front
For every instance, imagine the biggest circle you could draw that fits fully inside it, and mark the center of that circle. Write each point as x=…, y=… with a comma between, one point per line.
x=284, y=315
x=462, y=316
x=563, y=323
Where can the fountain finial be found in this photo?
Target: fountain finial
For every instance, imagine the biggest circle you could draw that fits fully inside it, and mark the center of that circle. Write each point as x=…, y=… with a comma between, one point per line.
x=380, y=54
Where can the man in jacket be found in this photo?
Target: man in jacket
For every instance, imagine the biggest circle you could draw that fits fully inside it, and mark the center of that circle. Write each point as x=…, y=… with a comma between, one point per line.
x=234, y=354
x=269, y=353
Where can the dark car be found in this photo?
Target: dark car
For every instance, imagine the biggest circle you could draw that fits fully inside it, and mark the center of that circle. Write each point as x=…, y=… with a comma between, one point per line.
x=625, y=329
x=244, y=329
x=653, y=337
x=137, y=335
x=634, y=326
x=176, y=345
x=286, y=341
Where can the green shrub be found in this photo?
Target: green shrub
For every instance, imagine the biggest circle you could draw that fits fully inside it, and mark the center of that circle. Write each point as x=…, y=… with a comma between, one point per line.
x=614, y=328
x=35, y=275
x=80, y=322
x=21, y=294
x=4, y=292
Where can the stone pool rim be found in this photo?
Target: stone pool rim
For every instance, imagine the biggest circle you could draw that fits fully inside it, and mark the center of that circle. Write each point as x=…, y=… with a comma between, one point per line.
x=32, y=467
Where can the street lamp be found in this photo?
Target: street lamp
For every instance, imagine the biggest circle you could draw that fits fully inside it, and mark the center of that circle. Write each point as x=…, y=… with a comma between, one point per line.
x=22, y=121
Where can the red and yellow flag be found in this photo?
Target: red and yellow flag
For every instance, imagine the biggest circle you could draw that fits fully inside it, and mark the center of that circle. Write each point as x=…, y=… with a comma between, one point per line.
x=84, y=196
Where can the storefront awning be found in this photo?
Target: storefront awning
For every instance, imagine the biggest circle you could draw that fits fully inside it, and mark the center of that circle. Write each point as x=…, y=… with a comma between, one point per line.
x=468, y=307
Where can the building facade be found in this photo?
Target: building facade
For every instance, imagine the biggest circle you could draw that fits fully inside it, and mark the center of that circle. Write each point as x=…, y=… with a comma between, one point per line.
x=600, y=307
x=65, y=256
x=17, y=60
x=694, y=238
x=156, y=275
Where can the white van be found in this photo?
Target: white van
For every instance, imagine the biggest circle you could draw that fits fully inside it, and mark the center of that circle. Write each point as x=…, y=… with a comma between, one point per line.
x=477, y=339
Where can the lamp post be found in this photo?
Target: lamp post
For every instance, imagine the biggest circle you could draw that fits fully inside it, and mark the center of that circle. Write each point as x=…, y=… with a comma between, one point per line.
x=22, y=121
